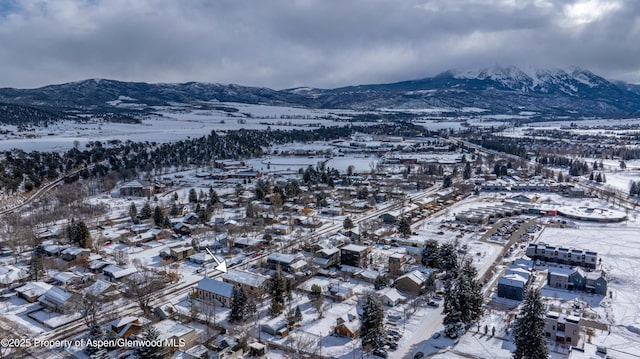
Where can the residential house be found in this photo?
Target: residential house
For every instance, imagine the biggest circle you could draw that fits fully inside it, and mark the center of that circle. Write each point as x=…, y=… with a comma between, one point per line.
x=276, y=326
x=73, y=253
x=512, y=286
x=59, y=300
x=415, y=281
x=197, y=352
x=391, y=297
x=288, y=262
x=595, y=282
x=248, y=243
x=327, y=257
x=182, y=228
x=180, y=252
x=564, y=278
x=175, y=332
x=137, y=188
x=114, y=273
x=127, y=327
x=348, y=325
x=211, y=290
x=66, y=279
x=254, y=284
x=354, y=255
x=574, y=257
x=54, y=250
x=396, y=261
x=227, y=347
x=257, y=350
x=31, y=291
x=562, y=328
x=190, y=218
x=102, y=290
x=577, y=279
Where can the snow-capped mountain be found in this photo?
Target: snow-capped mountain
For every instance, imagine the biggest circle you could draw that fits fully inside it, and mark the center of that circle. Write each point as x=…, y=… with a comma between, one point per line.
x=568, y=81
x=507, y=90
x=500, y=89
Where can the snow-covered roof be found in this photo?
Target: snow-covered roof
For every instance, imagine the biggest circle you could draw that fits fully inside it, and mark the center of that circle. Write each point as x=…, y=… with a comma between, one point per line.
x=216, y=287
x=244, y=277
x=10, y=273
x=416, y=276
x=74, y=251
x=392, y=294
x=100, y=286
x=517, y=270
x=65, y=277
x=513, y=280
x=117, y=272
x=169, y=328
x=561, y=272
x=281, y=258
x=55, y=295
x=33, y=289
x=329, y=251
x=354, y=248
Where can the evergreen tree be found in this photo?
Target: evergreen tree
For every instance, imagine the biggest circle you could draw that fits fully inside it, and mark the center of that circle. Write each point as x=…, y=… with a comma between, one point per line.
x=466, y=174
x=463, y=300
x=145, y=212
x=371, y=319
x=95, y=335
x=297, y=315
x=634, y=188
x=528, y=332
x=158, y=216
x=447, y=182
x=404, y=227
x=452, y=320
x=175, y=210
x=239, y=302
x=133, y=211
x=347, y=223
x=431, y=254
x=193, y=196
x=36, y=266
x=278, y=291
x=150, y=334
x=78, y=234
x=449, y=260
x=472, y=293
x=213, y=196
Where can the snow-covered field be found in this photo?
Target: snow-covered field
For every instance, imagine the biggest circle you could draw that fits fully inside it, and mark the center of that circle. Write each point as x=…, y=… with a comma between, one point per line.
x=171, y=125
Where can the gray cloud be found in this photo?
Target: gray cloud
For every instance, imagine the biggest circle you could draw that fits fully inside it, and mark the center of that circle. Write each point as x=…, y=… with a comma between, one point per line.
x=320, y=43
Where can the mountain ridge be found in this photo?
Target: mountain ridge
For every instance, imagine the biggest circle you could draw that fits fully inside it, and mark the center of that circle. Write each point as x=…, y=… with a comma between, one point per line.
x=510, y=90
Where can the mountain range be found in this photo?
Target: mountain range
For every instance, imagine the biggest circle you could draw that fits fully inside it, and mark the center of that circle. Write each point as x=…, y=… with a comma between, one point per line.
x=509, y=90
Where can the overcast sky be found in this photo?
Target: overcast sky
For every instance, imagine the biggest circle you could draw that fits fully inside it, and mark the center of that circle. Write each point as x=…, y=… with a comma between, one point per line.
x=317, y=43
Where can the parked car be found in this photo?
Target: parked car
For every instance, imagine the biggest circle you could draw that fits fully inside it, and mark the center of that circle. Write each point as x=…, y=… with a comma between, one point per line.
x=418, y=355
x=433, y=304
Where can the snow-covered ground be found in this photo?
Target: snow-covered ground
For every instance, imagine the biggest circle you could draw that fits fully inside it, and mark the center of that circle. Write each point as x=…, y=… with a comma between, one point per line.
x=169, y=124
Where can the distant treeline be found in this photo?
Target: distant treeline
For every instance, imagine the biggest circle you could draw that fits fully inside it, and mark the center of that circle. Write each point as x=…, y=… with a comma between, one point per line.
x=28, y=170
